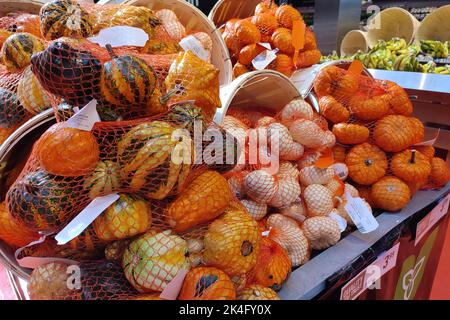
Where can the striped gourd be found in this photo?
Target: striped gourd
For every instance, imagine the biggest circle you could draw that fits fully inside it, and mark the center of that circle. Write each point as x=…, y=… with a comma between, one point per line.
x=65, y=18
x=31, y=94
x=127, y=80
x=18, y=49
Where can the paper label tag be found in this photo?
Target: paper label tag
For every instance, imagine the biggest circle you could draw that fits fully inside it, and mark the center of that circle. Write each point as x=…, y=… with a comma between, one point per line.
x=326, y=159
x=341, y=221
x=85, y=118
x=172, y=290
x=265, y=45
x=427, y=223
x=367, y=278
x=192, y=43
x=121, y=36
x=429, y=143
x=34, y=262
x=341, y=170
x=85, y=218
x=361, y=216
x=263, y=59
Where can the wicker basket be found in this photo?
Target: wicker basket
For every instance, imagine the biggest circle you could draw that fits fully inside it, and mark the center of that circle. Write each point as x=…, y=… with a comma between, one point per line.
x=193, y=19
x=224, y=10
x=353, y=41
x=265, y=89
x=32, y=6
x=436, y=26
x=391, y=23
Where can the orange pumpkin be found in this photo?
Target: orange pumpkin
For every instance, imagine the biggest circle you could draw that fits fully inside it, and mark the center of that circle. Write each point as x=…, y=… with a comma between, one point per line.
x=233, y=45
x=246, y=32
x=205, y=283
x=440, y=173
x=257, y=292
x=339, y=153
x=267, y=6
x=398, y=99
x=310, y=40
x=349, y=133
x=364, y=192
x=308, y=58
x=282, y=39
x=333, y=110
x=11, y=232
x=239, y=69
x=390, y=193
x=326, y=80
x=30, y=23
x=416, y=186
x=249, y=52
x=67, y=151
x=368, y=109
x=286, y=15
x=283, y=64
x=395, y=133
x=411, y=166
x=272, y=266
x=4, y=34
x=266, y=23
x=427, y=151
x=366, y=164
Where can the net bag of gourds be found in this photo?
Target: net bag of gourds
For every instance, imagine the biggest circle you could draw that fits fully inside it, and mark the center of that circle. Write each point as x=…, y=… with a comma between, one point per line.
x=377, y=137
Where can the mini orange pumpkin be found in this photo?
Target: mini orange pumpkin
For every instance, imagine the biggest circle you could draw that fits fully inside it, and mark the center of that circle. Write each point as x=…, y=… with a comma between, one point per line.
x=397, y=99
x=395, y=133
x=327, y=79
x=257, y=292
x=11, y=232
x=283, y=64
x=249, y=52
x=366, y=164
x=308, y=58
x=267, y=6
x=427, y=151
x=246, y=32
x=349, y=133
x=67, y=151
x=368, y=109
x=390, y=193
x=266, y=23
x=333, y=110
x=364, y=192
x=239, y=69
x=286, y=15
x=272, y=267
x=310, y=40
x=440, y=173
x=339, y=153
x=206, y=283
x=30, y=23
x=233, y=45
x=282, y=39
x=346, y=86
x=411, y=166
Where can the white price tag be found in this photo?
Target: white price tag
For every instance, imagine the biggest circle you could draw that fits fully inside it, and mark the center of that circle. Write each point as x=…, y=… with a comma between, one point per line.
x=265, y=45
x=361, y=214
x=341, y=170
x=85, y=218
x=263, y=59
x=85, y=118
x=120, y=36
x=341, y=221
x=192, y=43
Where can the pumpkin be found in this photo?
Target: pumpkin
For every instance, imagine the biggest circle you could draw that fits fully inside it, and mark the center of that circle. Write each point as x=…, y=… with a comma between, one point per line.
x=239, y=69
x=266, y=23
x=153, y=173
x=283, y=64
x=68, y=72
x=440, y=173
x=11, y=232
x=390, y=193
x=336, y=186
x=307, y=133
x=368, y=109
x=346, y=86
x=295, y=110
x=233, y=45
x=49, y=282
x=18, y=49
x=134, y=16
x=322, y=232
x=232, y=242
x=67, y=151
x=398, y=99
x=161, y=46
x=273, y=265
x=4, y=34
x=318, y=199
x=256, y=210
x=246, y=32
x=287, y=192
x=268, y=6
x=42, y=202
x=185, y=114
x=333, y=110
x=282, y=39
x=288, y=170
x=314, y=175
x=12, y=112
x=126, y=217
x=287, y=234
x=257, y=292
x=249, y=52
x=204, y=199
x=310, y=40
x=206, y=283
x=427, y=151
x=31, y=94
x=29, y=23
x=286, y=15
x=65, y=18
x=104, y=180
x=326, y=80
x=279, y=134
x=127, y=80
x=366, y=163
x=114, y=250
x=364, y=193
x=339, y=153
x=349, y=133
x=309, y=158
x=395, y=133
x=260, y=186
x=175, y=30
x=151, y=261
x=410, y=166
x=308, y=58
